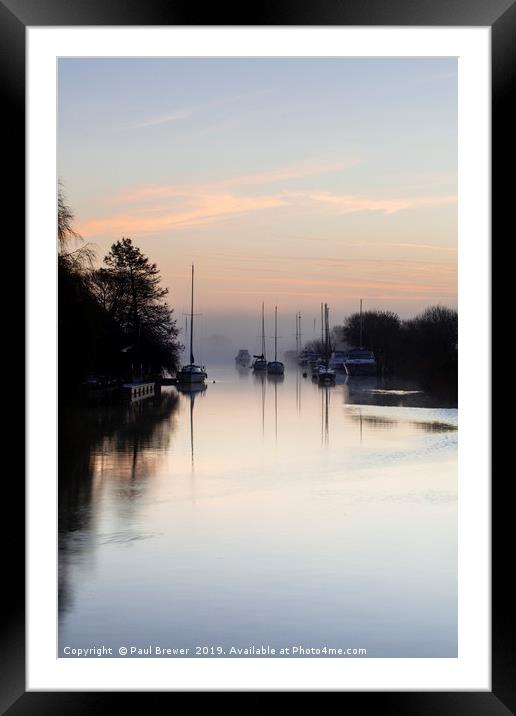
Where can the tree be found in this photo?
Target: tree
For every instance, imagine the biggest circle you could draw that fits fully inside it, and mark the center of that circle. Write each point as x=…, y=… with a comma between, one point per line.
x=432, y=336
x=315, y=346
x=380, y=331
x=83, y=333
x=77, y=259
x=129, y=289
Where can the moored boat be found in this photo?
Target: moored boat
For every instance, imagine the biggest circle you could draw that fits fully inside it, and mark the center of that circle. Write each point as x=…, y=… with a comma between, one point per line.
x=275, y=366
x=260, y=362
x=323, y=370
x=338, y=359
x=326, y=374
x=360, y=362
x=191, y=374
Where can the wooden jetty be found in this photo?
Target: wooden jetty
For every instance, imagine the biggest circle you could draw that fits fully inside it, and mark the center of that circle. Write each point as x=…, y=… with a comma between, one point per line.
x=138, y=391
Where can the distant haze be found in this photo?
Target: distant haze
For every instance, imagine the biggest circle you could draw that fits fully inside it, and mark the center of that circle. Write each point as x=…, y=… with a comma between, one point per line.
x=288, y=181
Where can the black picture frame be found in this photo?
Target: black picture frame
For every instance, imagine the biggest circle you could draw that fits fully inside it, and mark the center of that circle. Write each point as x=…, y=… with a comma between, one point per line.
x=500, y=16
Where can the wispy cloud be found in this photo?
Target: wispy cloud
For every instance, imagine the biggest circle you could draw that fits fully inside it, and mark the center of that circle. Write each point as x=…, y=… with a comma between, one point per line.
x=274, y=176
x=361, y=274
x=349, y=203
x=296, y=171
x=208, y=208
x=429, y=247
x=156, y=208
x=376, y=290
x=184, y=113
x=163, y=119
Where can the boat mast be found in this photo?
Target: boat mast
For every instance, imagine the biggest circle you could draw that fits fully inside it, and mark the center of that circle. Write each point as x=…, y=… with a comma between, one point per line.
x=191, y=322
x=263, y=330
x=275, y=333
x=360, y=323
x=327, y=328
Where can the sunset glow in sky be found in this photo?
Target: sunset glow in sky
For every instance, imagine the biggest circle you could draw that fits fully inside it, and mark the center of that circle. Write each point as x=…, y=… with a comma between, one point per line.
x=292, y=181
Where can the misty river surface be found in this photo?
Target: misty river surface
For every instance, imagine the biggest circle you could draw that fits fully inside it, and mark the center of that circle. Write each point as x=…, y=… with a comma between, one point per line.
x=261, y=513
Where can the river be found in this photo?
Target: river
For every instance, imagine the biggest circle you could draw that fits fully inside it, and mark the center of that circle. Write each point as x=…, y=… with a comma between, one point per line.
x=261, y=513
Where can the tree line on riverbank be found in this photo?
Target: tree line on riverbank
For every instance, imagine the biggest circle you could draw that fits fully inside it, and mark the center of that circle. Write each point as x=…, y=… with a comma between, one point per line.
x=114, y=322
x=423, y=347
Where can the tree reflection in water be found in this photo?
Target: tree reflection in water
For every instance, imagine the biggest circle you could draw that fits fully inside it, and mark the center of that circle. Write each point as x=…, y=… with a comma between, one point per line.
x=126, y=440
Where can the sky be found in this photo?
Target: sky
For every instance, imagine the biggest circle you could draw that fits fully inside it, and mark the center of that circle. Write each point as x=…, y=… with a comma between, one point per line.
x=289, y=181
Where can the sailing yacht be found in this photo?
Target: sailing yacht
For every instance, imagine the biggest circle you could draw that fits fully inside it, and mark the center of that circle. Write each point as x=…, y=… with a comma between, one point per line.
x=260, y=362
x=325, y=373
x=360, y=361
x=191, y=374
x=275, y=366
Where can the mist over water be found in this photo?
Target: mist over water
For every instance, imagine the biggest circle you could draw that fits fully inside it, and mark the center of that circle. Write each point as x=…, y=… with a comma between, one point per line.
x=265, y=512
x=218, y=337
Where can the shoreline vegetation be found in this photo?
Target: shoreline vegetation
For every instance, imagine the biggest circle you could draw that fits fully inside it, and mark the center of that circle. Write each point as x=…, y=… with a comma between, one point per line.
x=422, y=348
x=115, y=324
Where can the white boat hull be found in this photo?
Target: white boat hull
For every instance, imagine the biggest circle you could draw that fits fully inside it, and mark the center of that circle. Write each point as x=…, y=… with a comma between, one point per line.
x=191, y=375
x=191, y=378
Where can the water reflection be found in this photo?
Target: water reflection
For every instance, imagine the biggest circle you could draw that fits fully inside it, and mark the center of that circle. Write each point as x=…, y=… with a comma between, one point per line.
x=259, y=378
x=121, y=445
x=434, y=427
x=377, y=422
x=370, y=390
x=325, y=414
x=243, y=371
x=275, y=379
x=233, y=518
x=192, y=391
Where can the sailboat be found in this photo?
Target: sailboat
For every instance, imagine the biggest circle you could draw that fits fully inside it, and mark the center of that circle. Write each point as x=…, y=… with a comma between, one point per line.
x=360, y=361
x=326, y=374
x=275, y=366
x=260, y=362
x=192, y=374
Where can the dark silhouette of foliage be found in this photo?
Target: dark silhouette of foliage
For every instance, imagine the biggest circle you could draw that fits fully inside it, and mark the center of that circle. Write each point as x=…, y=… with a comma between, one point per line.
x=430, y=344
x=129, y=289
x=114, y=323
x=434, y=332
x=315, y=346
x=380, y=331
x=424, y=347
x=74, y=256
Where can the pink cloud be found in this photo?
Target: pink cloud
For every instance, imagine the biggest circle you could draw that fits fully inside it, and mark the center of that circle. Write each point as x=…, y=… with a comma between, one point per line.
x=328, y=284
x=285, y=173
x=165, y=207
x=296, y=171
x=208, y=208
x=349, y=203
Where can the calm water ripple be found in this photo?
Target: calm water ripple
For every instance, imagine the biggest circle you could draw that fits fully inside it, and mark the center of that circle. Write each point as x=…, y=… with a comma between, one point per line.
x=262, y=512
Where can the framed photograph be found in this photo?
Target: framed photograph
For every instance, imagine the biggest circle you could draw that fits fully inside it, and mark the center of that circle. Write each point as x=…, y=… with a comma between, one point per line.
x=258, y=353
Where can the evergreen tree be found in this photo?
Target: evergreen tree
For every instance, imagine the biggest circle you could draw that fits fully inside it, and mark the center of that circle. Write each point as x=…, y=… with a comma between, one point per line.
x=129, y=289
